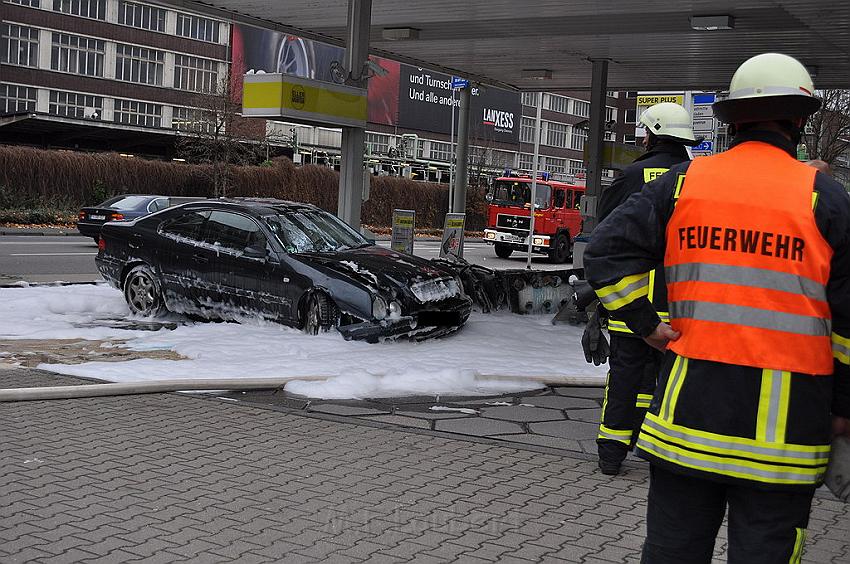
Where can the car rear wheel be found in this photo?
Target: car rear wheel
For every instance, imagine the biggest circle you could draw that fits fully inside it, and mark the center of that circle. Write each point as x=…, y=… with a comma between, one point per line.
x=143, y=293
x=320, y=314
x=562, y=250
x=503, y=251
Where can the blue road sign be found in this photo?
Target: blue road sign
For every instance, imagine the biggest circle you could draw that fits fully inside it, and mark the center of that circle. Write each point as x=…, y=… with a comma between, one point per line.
x=707, y=146
x=458, y=82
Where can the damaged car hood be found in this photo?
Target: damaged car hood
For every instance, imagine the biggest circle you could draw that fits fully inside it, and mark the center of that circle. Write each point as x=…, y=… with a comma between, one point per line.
x=375, y=266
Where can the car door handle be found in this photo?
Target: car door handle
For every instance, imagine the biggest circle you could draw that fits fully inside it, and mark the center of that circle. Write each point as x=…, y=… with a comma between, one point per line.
x=200, y=258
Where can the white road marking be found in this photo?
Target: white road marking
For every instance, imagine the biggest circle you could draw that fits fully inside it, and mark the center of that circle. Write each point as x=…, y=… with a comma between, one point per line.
x=51, y=254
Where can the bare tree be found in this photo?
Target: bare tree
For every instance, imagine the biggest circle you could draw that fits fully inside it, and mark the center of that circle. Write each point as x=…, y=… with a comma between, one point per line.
x=212, y=132
x=828, y=131
x=484, y=159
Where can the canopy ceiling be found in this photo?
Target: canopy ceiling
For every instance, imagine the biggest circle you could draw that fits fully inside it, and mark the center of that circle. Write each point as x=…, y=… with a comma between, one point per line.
x=650, y=43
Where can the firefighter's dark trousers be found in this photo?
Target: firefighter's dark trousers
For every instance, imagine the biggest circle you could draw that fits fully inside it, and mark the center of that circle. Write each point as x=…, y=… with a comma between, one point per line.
x=633, y=372
x=684, y=514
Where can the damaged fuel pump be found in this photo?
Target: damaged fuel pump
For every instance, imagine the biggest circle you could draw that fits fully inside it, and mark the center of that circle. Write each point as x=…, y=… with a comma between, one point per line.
x=561, y=293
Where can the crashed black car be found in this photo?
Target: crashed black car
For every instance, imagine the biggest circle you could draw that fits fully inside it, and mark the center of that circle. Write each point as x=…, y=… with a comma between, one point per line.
x=289, y=262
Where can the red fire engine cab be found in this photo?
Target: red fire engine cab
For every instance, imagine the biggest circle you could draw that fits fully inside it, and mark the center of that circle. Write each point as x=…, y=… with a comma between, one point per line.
x=556, y=216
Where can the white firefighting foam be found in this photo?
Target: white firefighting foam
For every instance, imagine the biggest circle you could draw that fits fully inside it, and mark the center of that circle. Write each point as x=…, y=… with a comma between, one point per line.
x=502, y=343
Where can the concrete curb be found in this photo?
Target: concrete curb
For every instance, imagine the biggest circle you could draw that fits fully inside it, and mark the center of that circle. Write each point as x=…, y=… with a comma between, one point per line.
x=36, y=231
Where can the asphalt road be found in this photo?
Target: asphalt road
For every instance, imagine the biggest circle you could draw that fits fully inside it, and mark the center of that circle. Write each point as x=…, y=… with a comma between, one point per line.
x=40, y=259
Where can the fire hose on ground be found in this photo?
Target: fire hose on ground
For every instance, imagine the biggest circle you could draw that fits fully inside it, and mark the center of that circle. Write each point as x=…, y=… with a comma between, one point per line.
x=233, y=384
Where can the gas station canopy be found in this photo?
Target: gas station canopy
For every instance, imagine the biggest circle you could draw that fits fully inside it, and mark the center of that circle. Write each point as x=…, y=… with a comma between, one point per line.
x=547, y=44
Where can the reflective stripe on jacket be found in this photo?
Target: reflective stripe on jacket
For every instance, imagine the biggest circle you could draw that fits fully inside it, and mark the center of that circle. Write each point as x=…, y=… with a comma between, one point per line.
x=765, y=450
x=746, y=264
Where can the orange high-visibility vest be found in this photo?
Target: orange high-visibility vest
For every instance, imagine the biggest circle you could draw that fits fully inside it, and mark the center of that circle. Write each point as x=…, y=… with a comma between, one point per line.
x=746, y=264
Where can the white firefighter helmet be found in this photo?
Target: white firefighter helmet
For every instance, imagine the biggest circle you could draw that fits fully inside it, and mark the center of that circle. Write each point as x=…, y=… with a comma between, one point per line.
x=768, y=87
x=669, y=121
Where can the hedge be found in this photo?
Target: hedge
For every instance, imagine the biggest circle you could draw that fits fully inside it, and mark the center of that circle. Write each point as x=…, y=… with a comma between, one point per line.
x=64, y=181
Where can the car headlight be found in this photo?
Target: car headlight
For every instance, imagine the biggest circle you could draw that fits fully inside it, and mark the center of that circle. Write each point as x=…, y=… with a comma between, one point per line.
x=394, y=310
x=459, y=283
x=379, y=308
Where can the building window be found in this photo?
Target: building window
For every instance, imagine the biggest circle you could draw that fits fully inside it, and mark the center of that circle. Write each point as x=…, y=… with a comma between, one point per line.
x=610, y=136
x=526, y=130
x=556, y=134
x=196, y=74
x=629, y=139
x=30, y=3
x=555, y=165
x=131, y=112
x=18, y=45
x=631, y=116
x=610, y=113
x=71, y=104
x=196, y=27
x=95, y=9
x=78, y=55
x=15, y=99
x=142, y=16
x=529, y=98
x=611, y=93
x=193, y=119
x=139, y=64
x=578, y=139
x=581, y=108
x=631, y=94
x=576, y=167
x=441, y=151
x=555, y=103
x=377, y=143
x=526, y=161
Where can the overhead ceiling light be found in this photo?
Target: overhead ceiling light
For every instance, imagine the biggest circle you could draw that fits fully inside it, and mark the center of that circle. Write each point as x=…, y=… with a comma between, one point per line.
x=399, y=33
x=712, y=23
x=537, y=74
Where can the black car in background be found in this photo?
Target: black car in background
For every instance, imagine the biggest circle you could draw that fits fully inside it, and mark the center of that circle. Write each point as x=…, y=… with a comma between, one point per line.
x=289, y=262
x=123, y=208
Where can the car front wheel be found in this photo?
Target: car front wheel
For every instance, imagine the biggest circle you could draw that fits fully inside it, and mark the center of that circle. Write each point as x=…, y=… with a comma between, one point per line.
x=320, y=314
x=143, y=293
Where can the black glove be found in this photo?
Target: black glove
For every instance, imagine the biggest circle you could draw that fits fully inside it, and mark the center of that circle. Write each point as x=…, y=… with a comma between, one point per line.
x=593, y=341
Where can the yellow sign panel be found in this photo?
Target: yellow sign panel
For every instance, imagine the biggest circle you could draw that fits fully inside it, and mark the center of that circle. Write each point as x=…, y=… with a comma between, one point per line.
x=303, y=100
x=651, y=100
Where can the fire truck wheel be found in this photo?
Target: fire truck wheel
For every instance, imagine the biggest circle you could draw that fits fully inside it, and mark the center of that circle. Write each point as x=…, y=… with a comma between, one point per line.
x=561, y=251
x=503, y=251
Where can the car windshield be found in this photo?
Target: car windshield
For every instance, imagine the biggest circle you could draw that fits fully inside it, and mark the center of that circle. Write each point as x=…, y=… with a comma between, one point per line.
x=515, y=193
x=312, y=231
x=130, y=202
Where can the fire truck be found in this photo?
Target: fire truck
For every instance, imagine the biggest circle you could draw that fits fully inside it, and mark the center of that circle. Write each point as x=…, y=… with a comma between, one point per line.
x=556, y=216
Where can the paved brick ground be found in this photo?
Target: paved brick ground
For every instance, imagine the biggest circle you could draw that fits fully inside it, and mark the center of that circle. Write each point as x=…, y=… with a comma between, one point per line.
x=172, y=478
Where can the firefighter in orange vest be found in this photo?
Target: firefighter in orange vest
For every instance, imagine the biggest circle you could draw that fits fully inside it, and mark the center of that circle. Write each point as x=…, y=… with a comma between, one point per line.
x=755, y=379
x=633, y=365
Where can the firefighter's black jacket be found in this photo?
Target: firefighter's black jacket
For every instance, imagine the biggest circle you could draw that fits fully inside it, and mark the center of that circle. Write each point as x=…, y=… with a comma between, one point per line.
x=645, y=168
x=716, y=406
x=662, y=156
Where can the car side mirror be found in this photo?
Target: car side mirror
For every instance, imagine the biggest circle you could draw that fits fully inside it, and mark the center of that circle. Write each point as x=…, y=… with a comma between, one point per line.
x=255, y=252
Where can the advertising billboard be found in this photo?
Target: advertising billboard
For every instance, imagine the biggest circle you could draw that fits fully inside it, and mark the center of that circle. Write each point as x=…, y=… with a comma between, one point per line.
x=406, y=96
